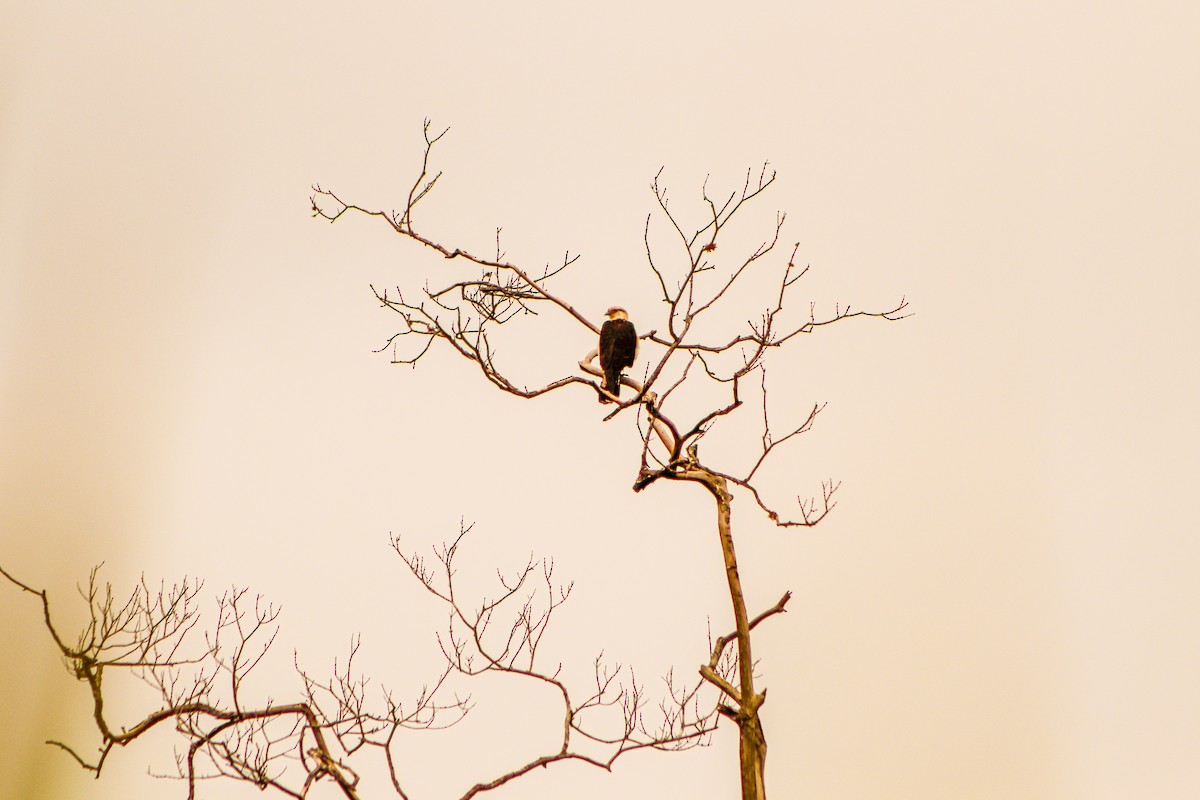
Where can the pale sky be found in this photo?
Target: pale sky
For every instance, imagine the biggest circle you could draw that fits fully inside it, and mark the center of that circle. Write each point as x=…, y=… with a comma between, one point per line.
x=1003, y=605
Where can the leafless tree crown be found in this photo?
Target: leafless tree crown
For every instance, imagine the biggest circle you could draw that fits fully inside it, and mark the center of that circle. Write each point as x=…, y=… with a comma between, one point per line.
x=697, y=284
x=464, y=311
x=199, y=672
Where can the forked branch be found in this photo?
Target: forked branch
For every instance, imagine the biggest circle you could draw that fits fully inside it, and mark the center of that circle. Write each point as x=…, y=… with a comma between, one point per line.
x=503, y=634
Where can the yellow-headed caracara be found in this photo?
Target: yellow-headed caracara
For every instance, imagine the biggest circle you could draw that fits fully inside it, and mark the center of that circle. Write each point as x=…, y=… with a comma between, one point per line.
x=618, y=349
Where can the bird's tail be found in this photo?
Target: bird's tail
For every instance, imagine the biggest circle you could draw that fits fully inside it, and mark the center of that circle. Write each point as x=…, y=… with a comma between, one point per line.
x=612, y=383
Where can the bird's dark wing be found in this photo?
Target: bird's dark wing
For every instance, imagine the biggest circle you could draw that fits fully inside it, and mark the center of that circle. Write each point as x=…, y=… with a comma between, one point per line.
x=624, y=348
x=608, y=339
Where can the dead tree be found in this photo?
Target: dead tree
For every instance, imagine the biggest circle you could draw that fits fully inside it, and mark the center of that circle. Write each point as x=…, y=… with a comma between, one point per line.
x=465, y=306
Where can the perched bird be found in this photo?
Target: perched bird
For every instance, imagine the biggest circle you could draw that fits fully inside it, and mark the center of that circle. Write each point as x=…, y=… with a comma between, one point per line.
x=618, y=349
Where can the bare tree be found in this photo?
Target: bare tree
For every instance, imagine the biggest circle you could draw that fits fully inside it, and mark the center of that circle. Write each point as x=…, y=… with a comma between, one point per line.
x=199, y=674
x=465, y=308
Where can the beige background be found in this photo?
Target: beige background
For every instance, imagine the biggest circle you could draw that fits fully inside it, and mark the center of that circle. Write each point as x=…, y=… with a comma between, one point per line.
x=1004, y=604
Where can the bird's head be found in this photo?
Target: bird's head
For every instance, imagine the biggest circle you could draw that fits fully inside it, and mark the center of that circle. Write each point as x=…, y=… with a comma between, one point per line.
x=616, y=312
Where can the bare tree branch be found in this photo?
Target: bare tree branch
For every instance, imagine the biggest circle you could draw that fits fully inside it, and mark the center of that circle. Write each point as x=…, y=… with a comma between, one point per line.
x=503, y=634
x=201, y=681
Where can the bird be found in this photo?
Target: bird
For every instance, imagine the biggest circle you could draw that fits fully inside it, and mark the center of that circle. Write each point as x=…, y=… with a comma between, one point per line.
x=618, y=349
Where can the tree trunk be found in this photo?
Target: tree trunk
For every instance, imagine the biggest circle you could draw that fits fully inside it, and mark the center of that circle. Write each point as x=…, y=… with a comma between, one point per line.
x=752, y=749
x=752, y=758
